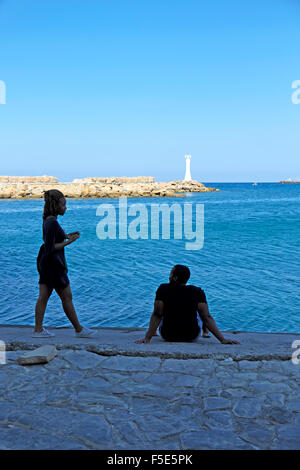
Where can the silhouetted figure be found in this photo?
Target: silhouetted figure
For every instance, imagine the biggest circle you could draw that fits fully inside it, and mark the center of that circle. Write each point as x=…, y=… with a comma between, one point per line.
x=52, y=266
x=175, y=311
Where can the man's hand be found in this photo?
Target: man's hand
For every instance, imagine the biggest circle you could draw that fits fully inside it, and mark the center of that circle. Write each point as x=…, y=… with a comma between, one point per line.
x=229, y=341
x=144, y=340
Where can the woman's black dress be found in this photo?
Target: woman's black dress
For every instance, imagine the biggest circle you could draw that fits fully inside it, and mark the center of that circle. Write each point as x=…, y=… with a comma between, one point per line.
x=51, y=264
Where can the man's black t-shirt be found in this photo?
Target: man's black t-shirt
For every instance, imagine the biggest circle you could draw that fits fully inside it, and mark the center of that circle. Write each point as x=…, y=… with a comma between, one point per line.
x=180, y=322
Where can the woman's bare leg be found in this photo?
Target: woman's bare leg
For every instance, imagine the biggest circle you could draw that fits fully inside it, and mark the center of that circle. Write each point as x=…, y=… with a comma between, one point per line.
x=40, y=306
x=67, y=303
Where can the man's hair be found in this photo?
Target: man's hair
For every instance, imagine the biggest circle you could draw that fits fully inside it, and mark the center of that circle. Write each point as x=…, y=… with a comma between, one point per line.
x=52, y=197
x=182, y=272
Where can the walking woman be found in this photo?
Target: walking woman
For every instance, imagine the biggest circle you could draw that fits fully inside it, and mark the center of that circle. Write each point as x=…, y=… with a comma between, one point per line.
x=52, y=267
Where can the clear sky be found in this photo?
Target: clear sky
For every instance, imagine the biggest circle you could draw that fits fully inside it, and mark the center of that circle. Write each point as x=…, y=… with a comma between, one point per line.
x=128, y=87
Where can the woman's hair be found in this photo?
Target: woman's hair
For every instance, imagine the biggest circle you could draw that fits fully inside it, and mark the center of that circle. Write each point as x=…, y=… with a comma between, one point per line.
x=52, y=197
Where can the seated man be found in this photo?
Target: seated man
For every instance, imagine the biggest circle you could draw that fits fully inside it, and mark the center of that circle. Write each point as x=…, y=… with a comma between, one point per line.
x=175, y=311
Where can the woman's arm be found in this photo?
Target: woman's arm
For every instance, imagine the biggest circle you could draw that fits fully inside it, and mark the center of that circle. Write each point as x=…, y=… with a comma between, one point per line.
x=69, y=235
x=71, y=238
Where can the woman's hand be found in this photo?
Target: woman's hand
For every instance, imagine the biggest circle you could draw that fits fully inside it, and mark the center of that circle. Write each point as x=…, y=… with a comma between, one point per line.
x=71, y=234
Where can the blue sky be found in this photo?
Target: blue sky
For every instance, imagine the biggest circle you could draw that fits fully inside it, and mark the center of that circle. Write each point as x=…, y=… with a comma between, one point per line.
x=128, y=87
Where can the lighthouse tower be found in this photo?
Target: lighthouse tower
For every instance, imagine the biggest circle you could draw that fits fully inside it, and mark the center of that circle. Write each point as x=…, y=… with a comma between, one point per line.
x=187, y=168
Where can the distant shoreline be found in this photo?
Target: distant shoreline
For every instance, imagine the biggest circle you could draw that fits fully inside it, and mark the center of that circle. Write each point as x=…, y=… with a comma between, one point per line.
x=289, y=182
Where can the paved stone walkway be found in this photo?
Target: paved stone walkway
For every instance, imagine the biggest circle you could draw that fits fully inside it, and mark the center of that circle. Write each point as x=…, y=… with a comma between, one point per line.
x=86, y=400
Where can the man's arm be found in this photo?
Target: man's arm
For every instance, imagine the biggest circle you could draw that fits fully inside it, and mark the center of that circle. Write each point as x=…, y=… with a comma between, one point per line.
x=211, y=324
x=154, y=321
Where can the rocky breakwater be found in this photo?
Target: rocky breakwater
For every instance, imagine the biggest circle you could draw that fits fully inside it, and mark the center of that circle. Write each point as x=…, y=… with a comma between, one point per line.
x=112, y=187
x=28, y=179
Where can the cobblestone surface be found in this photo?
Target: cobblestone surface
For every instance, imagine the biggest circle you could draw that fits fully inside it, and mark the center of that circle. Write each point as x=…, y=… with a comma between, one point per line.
x=83, y=400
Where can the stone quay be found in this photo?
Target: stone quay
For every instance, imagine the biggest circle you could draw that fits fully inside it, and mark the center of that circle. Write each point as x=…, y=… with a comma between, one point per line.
x=108, y=392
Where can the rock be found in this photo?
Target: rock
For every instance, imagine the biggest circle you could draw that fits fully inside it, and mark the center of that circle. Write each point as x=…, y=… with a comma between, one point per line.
x=289, y=437
x=83, y=359
x=259, y=436
x=248, y=407
x=216, y=403
x=245, y=365
x=219, y=418
x=280, y=415
x=213, y=439
x=136, y=363
x=38, y=356
x=6, y=191
x=271, y=387
x=36, y=192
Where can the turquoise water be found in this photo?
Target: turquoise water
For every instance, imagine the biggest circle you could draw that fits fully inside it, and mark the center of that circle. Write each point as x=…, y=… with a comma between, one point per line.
x=248, y=267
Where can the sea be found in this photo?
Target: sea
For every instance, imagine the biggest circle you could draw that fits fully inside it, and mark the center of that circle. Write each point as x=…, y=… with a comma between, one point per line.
x=247, y=261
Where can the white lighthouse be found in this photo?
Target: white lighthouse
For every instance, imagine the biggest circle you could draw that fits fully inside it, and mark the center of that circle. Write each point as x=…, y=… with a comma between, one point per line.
x=187, y=168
